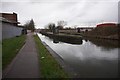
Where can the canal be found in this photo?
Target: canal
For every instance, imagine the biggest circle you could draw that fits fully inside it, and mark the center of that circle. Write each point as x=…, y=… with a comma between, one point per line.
x=88, y=58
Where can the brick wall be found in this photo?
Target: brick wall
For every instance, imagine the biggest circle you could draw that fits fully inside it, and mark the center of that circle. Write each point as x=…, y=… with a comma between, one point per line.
x=10, y=16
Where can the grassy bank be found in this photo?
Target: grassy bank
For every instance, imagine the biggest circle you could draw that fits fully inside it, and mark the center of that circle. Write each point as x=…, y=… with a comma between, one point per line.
x=10, y=47
x=104, y=32
x=49, y=66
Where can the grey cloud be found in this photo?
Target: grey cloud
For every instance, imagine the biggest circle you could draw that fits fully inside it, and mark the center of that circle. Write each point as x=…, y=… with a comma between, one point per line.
x=75, y=12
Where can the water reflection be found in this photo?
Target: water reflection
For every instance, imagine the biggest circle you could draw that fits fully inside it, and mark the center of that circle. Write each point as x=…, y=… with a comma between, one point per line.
x=69, y=40
x=107, y=44
x=87, y=59
x=55, y=41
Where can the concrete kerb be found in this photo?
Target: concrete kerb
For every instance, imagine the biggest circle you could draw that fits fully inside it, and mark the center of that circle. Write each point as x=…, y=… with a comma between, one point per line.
x=62, y=63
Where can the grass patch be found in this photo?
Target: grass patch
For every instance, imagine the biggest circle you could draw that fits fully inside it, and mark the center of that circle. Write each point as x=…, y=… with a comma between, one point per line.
x=49, y=66
x=10, y=48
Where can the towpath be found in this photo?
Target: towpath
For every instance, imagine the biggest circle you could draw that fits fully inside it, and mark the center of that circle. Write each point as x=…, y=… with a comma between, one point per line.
x=25, y=64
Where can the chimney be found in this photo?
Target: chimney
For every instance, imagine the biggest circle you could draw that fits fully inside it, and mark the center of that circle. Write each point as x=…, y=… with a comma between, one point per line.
x=15, y=16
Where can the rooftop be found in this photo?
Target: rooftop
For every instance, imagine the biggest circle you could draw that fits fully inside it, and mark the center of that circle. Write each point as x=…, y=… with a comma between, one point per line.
x=6, y=20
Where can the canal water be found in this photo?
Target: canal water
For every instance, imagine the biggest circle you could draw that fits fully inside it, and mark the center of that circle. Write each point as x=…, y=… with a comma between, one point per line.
x=90, y=58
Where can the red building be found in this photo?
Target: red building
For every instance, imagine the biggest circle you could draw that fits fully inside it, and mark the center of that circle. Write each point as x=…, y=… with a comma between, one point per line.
x=107, y=25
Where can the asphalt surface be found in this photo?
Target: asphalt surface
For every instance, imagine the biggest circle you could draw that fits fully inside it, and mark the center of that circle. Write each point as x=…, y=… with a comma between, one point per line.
x=25, y=64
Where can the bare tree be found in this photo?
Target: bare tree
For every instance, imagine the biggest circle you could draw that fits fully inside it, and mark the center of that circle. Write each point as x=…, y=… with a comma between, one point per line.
x=61, y=24
x=30, y=25
x=50, y=26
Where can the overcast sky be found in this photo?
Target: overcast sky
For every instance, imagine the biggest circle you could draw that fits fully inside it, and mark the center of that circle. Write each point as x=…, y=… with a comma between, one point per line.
x=75, y=12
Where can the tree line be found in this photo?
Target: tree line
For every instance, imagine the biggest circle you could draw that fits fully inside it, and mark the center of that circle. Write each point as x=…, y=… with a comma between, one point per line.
x=30, y=25
x=60, y=25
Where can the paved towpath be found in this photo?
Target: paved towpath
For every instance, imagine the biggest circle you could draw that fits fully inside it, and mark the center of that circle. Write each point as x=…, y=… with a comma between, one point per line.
x=25, y=64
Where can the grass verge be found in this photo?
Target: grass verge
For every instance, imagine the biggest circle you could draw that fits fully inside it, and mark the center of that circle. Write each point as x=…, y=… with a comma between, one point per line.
x=49, y=66
x=10, y=47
